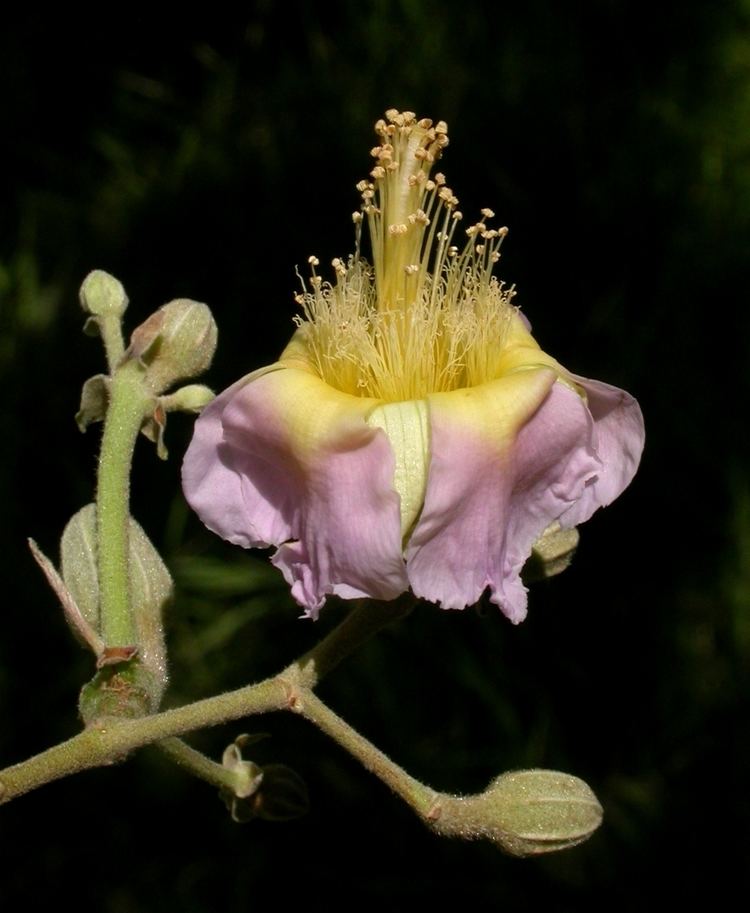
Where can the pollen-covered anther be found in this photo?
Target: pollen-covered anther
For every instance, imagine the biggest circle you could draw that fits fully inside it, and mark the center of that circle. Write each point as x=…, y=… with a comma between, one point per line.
x=378, y=172
x=411, y=269
x=419, y=217
x=446, y=195
x=398, y=229
x=487, y=213
x=313, y=260
x=439, y=179
x=356, y=217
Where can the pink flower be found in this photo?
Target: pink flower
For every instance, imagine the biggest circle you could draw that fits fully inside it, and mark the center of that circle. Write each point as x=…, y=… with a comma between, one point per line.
x=412, y=434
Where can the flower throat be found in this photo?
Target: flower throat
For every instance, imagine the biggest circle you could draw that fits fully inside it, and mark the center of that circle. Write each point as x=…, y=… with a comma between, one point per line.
x=424, y=316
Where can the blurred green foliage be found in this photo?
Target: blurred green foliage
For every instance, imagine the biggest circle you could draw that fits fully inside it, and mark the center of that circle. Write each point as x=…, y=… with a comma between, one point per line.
x=206, y=156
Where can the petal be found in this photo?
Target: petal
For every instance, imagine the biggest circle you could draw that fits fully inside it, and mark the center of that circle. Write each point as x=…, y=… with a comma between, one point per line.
x=508, y=458
x=298, y=461
x=213, y=484
x=619, y=436
x=406, y=425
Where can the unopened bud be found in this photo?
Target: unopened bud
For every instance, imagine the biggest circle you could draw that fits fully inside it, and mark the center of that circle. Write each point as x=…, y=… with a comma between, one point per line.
x=525, y=813
x=192, y=398
x=177, y=342
x=102, y=295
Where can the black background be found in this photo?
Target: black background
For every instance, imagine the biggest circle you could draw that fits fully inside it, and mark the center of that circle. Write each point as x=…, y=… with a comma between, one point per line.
x=206, y=157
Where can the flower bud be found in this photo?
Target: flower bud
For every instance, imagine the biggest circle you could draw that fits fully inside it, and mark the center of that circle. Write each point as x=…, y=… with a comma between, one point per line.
x=193, y=398
x=102, y=295
x=175, y=343
x=526, y=813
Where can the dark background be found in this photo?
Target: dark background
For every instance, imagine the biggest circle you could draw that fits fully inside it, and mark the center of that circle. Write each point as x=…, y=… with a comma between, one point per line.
x=206, y=157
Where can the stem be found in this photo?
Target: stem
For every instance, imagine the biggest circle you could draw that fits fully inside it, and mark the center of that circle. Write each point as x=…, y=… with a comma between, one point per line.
x=366, y=618
x=114, y=739
x=128, y=402
x=110, y=329
x=197, y=763
x=420, y=797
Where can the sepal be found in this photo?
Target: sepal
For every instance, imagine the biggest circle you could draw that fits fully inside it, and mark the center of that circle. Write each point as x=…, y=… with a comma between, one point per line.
x=94, y=401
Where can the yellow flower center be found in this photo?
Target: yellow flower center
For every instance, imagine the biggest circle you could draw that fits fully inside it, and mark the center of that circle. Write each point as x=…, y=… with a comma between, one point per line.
x=425, y=316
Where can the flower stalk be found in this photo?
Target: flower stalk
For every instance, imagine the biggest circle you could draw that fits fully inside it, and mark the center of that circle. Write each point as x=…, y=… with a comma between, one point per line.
x=113, y=739
x=129, y=402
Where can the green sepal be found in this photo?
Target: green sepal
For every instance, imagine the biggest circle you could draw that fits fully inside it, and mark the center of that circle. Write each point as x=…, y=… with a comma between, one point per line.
x=150, y=589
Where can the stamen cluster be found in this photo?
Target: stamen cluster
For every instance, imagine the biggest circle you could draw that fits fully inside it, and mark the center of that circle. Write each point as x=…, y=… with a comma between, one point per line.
x=424, y=316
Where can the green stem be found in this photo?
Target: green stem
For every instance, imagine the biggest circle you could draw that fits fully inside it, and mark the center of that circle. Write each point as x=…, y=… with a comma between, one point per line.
x=129, y=400
x=197, y=763
x=98, y=746
x=115, y=739
x=420, y=797
x=110, y=329
x=366, y=618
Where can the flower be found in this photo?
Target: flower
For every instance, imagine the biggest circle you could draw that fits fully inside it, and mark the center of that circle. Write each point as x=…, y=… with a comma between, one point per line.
x=412, y=434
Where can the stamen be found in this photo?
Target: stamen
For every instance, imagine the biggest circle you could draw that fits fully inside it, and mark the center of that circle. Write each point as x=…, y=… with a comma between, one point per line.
x=426, y=316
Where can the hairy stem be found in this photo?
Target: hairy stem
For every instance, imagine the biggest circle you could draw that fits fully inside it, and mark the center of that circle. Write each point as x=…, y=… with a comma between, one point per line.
x=110, y=329
x=420, y=797
x=197, y=763
x=113, y=739
x=128, y=402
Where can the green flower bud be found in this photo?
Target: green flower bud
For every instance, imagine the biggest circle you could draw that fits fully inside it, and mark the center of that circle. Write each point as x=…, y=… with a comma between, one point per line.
x=193, y=398
x=102, y=295
x=175, y=343
x=525, y=813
